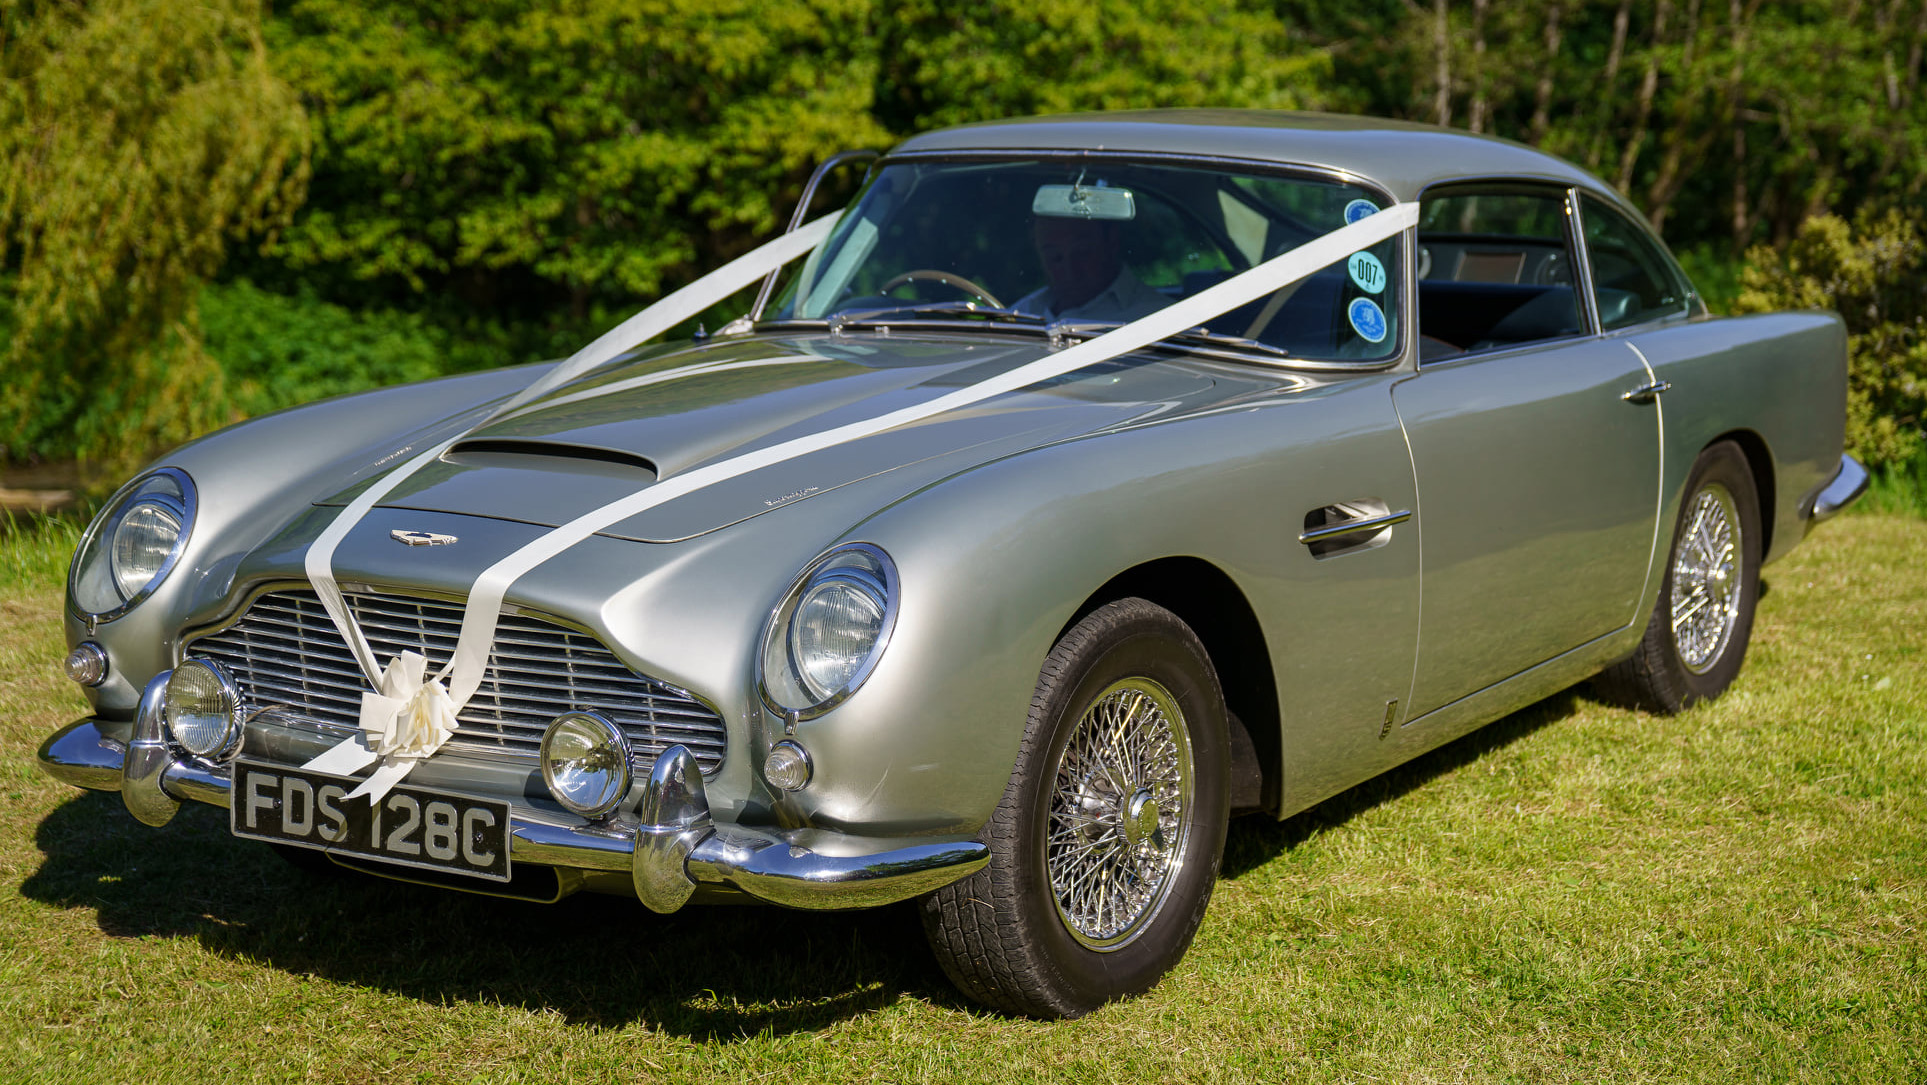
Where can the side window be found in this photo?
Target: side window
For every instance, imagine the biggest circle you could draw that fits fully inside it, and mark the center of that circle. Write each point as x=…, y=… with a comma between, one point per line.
x=1495, y=270
x=1632, y=280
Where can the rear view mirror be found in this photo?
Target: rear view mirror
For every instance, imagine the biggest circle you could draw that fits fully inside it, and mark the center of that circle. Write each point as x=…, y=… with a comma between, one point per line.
x=1084, y=202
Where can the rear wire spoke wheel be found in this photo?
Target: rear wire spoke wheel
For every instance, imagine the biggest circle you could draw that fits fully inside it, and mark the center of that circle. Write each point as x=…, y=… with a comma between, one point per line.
x=1106, y=845
x=1696, y=639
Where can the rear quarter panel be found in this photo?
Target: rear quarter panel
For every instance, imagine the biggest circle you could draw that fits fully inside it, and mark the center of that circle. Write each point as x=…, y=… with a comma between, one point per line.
x=1781, y=377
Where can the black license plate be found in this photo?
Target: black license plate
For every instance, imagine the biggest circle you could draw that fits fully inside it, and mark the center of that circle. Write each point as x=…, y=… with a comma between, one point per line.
x=409, y=826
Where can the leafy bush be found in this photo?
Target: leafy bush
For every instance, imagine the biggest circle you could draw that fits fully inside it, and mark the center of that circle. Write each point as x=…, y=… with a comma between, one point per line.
x=1874, y=273
x=137, y=138
x=278, y=351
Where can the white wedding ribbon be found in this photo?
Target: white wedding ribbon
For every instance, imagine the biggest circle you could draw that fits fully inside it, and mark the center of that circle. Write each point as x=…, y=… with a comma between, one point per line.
x=467, y=666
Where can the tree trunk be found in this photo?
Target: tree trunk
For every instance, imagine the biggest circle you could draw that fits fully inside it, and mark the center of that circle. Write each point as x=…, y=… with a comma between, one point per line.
x=1648, y=87
x=1542, y=101
x=1478, y=65
x=1736, y=92
x=1666, y=184
x=1441, y=52
x=1606, y=92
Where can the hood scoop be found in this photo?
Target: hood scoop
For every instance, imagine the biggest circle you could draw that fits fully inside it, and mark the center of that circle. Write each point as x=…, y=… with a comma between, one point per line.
x=557, y=456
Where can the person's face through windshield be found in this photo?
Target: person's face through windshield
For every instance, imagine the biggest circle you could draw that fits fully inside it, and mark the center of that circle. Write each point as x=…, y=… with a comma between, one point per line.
x=1080, y=257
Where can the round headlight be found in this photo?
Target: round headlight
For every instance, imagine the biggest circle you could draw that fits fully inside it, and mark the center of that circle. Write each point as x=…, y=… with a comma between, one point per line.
x=202, y=709
x=829, y=631
x=585, y=762
x=143, y=541
x=132, y=546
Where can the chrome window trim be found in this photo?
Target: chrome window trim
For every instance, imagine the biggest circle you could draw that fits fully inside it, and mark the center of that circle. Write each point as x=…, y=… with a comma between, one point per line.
x=892, y=591
x=1582, y=259
x=189, y=510
x=1695, y=306
x=1564, y=192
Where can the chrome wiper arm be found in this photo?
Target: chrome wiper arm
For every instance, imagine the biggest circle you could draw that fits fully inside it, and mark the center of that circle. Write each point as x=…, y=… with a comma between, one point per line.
x=955, y=310
x=1211, y=338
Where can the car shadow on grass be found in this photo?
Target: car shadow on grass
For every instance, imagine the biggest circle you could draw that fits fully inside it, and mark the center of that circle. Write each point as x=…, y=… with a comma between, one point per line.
x=1256, y=840
x=704, y=973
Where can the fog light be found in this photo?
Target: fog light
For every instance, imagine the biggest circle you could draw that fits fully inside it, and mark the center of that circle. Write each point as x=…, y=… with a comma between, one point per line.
x=585, y=762
x=87, y=664
x=203, y=709
x=787, y=767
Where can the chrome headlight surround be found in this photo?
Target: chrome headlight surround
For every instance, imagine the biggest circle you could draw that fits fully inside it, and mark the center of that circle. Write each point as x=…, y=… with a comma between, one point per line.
x=113, y=572
x=861, y=574
x=586, y=763
x=202, y=710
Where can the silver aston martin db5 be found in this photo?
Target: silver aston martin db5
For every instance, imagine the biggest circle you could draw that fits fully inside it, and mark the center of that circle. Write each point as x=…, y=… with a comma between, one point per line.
x=1085, y=482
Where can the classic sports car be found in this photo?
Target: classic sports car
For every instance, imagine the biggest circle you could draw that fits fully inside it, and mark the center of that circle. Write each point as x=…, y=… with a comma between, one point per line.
x=1090, y=480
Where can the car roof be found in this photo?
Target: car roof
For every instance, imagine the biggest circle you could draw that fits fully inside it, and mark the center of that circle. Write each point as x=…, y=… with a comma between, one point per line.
x=1403, y=157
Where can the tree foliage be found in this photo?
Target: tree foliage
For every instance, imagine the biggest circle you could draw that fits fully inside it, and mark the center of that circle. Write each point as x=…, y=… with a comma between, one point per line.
x=945, y=63
x=1874, y=273
x=137, y=139
x=513, y=174
x=1727, y=121
x=604, y=147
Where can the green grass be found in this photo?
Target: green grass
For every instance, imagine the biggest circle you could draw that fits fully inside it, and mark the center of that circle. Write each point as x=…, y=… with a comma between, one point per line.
x=1575, y=893
x=1899, y=490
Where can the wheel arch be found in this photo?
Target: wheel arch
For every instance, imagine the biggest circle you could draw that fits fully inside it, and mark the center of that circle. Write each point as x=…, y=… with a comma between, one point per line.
x=1205, y=598
x=1759, y=459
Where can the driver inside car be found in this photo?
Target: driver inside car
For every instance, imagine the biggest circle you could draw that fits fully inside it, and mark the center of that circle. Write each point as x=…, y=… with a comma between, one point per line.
x=1085, y=275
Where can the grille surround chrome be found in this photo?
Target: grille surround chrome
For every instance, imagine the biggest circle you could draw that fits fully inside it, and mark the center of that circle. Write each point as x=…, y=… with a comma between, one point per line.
x=284, y=652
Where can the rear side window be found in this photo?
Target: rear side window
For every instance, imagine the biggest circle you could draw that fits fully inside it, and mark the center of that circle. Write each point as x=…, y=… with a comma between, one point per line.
x=1632, y=280
x=1495, y=270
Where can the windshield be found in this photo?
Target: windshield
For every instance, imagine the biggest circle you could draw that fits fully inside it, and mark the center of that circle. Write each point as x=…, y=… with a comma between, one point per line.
x=1087, y=241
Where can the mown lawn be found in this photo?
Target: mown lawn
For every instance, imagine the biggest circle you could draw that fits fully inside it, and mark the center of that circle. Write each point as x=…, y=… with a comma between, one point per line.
x=1576, y=893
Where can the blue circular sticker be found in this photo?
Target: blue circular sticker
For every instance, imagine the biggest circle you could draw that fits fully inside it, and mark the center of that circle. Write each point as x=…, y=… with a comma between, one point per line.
x=1368, y=320
x=1366, y=271
x=1358, y=209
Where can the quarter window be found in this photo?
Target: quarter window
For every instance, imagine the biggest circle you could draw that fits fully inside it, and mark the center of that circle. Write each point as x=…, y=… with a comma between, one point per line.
x=1495, y=271
x=1633, y=281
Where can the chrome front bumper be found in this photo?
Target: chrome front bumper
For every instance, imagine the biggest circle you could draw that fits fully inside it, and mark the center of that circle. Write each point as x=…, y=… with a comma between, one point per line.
x=669, y=848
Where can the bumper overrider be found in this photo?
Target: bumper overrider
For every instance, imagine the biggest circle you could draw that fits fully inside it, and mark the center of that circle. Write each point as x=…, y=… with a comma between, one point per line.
x=669, y=848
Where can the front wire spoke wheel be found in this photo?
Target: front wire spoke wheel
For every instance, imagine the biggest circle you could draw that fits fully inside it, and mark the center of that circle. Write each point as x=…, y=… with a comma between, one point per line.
x=1108, y=837
x=1120, y=813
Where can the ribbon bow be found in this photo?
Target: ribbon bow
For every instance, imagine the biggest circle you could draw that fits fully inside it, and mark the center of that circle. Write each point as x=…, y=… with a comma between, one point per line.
x=409, y=718
x=400, y=726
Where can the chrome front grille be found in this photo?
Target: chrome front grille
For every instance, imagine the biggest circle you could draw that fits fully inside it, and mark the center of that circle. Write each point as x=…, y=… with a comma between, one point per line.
x=286, y=651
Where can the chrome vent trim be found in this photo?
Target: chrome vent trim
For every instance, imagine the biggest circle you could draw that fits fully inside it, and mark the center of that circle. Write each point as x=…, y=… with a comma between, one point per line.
x=284, y=651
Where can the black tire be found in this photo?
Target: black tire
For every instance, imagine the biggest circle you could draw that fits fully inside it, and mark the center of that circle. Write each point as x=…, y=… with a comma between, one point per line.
x=1003, y=935
x=1663, y=674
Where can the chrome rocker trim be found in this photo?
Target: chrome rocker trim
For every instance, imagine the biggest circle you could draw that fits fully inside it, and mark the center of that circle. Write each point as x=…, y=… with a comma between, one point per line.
x=669, y=850
x=1846, y=486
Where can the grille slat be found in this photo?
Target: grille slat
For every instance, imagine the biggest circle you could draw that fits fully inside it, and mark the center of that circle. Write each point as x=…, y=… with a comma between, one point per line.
x=286, y=651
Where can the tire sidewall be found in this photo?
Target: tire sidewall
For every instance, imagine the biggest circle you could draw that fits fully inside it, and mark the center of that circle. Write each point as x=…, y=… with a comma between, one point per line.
x=1726, y=465
x=1142, y=646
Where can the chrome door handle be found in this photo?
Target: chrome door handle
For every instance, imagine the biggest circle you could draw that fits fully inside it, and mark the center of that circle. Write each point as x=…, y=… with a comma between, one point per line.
x=1647, y=392
x=1362, y=526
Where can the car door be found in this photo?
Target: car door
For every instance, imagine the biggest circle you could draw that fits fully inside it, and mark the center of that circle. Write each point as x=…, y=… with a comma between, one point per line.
x=1538, y=480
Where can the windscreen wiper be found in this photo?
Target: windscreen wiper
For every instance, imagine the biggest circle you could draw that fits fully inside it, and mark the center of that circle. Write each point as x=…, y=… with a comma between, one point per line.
x=1207, y=337
x=947, y=310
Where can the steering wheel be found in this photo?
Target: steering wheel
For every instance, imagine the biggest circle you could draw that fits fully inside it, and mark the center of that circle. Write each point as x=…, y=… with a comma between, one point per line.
x=933, y=275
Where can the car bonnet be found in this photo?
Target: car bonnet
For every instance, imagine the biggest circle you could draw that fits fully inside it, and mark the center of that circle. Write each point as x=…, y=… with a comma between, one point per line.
x=674, y=409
